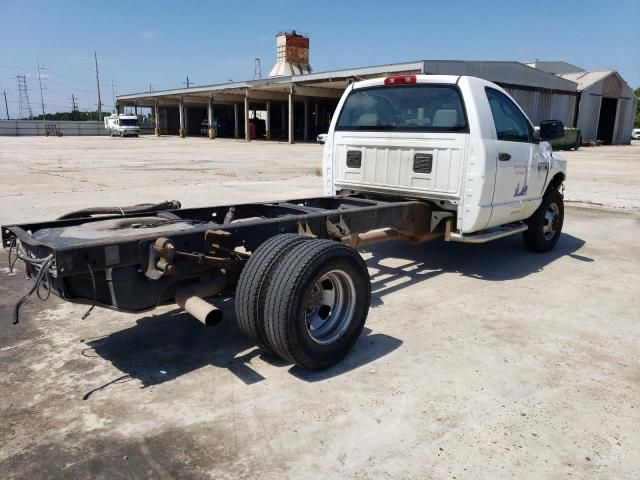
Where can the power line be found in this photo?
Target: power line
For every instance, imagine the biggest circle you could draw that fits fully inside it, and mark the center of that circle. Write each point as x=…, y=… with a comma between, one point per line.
x=69, y=78
x=16, y=67
x=70, y=87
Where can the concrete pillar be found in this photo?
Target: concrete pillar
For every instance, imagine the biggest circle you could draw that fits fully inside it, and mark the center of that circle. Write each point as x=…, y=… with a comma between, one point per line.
x=306, y=119
x=156, y=116
x=235, y=119
x=212, y=131
x=182, y=131
x=268, y=121
x=315, y=119
x=119, y=108
x=247, y=137
x=291, y=140
x=283, y=122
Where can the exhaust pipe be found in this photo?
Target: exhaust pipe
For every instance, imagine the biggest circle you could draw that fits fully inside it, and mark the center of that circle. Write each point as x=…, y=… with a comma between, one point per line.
x=376, y=236
x=190, y=299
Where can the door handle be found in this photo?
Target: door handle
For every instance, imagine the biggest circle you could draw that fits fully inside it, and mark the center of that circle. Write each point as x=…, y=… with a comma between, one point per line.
x=504, y=157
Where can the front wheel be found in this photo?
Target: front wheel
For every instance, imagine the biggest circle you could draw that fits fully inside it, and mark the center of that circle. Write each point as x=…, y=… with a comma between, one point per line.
x=545, y=225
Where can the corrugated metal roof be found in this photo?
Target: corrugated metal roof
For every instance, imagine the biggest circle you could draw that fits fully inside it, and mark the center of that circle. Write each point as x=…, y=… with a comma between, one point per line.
x=555, y=67
x=310, y=77
x=507, y=72
x=501, y=71
x=586, y=79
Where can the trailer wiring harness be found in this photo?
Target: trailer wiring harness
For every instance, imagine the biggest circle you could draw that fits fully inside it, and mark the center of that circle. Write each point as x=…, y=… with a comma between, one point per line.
x=40, y=266
x=42, y=277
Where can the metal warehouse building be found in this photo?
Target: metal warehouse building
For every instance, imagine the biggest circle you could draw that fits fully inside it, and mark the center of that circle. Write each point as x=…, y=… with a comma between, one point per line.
x=606, y=104
x=296, y=104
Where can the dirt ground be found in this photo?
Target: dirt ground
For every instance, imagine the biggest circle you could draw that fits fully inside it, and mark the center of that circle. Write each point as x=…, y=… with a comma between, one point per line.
x=477, y=361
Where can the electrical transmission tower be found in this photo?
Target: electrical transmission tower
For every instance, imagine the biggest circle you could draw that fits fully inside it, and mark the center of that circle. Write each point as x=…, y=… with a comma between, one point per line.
x=24, y=106
x=257, y=69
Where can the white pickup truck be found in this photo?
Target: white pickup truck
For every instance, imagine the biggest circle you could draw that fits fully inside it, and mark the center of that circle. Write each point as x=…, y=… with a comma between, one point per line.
x=122, y=125
x=409, y=158
x=460, y=142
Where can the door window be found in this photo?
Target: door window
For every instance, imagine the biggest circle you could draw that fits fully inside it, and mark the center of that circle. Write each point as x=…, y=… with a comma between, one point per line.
x=511, y=124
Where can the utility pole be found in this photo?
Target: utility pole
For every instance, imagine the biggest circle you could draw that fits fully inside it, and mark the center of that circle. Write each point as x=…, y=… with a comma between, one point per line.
x=74, y=107
x=95, y=57
x=40, y=82
x=5, y=104
x=187, y=83
x=113, y=96
x=149, y=88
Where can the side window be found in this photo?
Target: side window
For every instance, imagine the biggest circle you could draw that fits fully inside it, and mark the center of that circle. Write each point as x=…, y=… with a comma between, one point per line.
x=511, y=125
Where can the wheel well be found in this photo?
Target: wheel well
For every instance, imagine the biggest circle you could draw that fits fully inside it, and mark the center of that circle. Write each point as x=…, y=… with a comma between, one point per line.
x=556, y=181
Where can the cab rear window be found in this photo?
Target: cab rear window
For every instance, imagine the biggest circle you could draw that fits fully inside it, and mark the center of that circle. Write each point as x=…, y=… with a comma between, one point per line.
x=404, y=108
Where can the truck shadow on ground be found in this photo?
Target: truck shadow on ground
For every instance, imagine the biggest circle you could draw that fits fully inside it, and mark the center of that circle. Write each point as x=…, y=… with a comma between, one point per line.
x=396, y=265
x=160, y=348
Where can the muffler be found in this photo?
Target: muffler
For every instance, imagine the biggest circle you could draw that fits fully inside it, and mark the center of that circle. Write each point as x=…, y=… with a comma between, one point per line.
x=190, y=299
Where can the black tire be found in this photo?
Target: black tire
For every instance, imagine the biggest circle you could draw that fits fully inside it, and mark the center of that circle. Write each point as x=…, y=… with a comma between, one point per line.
x=251, y=289
x=307, y=270
x=545, y=225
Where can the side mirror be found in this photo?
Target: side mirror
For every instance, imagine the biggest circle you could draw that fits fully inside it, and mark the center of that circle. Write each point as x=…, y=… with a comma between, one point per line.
x=551, y=129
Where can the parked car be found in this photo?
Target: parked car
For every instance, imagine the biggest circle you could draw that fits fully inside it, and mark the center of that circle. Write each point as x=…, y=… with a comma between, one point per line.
x=635, y=134
x=322, y=138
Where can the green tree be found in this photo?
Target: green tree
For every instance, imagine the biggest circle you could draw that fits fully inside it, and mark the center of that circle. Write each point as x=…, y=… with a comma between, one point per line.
x=74, y=116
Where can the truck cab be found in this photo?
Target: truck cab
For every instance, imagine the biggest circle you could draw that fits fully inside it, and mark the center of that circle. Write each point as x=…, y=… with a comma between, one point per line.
x=122, y=125
x=460, y=142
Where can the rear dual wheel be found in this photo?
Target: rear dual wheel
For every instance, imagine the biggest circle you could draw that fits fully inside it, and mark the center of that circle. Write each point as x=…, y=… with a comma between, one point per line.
x=251, y=290
x=311, y=302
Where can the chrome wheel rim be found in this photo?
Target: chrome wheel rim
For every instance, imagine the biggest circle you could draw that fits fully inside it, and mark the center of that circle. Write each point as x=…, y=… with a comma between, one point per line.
x=551, y=221
x=330, y=306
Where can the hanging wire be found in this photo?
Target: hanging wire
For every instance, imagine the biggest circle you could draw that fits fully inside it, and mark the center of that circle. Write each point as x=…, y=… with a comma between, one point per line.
x=44, y=265
x=95, y=293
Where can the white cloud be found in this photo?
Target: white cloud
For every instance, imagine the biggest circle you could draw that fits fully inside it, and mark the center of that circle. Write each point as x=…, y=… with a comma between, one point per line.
x=148, y=34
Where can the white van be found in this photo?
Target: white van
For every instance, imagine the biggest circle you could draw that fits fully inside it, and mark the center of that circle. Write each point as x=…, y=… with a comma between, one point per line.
x=122, y=125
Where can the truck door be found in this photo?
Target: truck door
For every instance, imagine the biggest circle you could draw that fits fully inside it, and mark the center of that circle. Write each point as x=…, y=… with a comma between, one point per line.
x=519, y=182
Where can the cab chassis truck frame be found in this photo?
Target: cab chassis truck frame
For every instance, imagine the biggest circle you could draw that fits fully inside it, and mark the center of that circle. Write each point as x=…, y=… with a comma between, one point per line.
x=301, y=289
x=303, y=293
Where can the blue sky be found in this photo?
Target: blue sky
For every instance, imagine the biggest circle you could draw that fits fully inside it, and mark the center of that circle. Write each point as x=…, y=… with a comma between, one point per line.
x=161, y=42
